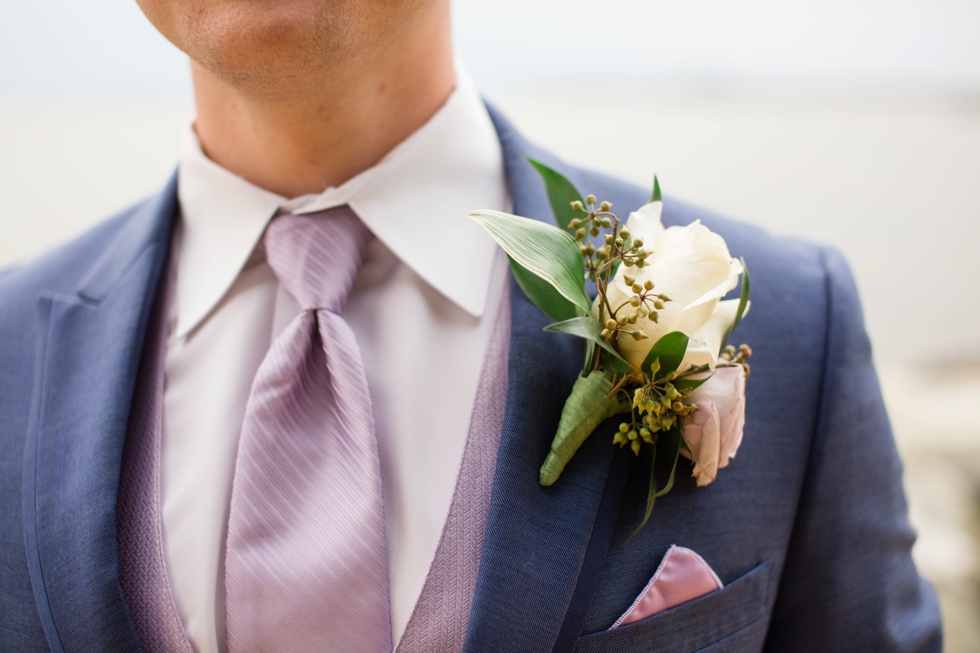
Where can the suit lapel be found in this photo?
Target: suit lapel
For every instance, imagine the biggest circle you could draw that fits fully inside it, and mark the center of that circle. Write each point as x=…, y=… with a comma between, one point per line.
x=89, y=346
x=537, y=564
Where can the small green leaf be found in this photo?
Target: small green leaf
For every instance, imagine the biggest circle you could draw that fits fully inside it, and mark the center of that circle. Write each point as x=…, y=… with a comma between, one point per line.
x=669, y=350
x=651, y=491
x=743, y=301
x=543, y=250
x=671, y=443
x=683, y=384
x=561, y=194
x=543, y=294
x=655, y=197
x=587, y=406
x=589, y=328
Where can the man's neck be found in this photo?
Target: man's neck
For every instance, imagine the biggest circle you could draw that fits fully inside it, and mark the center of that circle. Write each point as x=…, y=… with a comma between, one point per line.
x=322, y=136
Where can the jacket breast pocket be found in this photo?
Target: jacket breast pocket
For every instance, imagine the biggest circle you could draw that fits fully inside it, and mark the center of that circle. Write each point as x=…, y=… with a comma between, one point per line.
x=692, y=626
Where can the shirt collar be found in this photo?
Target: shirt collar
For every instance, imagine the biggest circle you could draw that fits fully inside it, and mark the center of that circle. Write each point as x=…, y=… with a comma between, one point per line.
x=415, y=201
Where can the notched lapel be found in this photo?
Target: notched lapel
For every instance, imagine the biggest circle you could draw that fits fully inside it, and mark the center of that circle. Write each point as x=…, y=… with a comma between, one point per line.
x=536, y=554
x=89, y=346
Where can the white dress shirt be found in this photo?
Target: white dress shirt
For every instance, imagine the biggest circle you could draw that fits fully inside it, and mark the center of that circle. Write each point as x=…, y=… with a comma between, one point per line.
x=417, y=309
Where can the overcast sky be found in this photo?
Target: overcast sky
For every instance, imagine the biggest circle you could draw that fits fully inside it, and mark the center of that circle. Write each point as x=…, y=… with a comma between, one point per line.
x=107, y=46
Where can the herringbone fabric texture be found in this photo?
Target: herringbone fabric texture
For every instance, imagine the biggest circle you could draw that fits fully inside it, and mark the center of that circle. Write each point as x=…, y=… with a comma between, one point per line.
x=306, y=568
x=139, y=529
x=438, y=622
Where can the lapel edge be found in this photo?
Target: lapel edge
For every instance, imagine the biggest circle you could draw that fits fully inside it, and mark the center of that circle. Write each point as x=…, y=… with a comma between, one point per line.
x=29, y=480
x=530, y=200
x=149, y=224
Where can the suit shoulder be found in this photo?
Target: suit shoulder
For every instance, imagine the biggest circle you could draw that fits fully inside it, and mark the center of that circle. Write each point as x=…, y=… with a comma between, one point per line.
x=59, y=270
x=766, y=255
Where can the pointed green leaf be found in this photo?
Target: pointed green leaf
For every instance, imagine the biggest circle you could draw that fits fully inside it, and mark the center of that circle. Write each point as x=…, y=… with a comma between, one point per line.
x=589, y=328
x=669, y=350
x=587, y=406
x=543, y=294
x=743, y=301
x=543, y=250
x=655, y=197
x=561, y=194
x=671, y=444
x=651, y=491
x=685, y=383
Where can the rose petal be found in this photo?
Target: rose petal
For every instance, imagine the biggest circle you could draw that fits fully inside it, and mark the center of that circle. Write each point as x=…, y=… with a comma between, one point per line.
x=706, y=340
x=706, y=465
x=645, y=222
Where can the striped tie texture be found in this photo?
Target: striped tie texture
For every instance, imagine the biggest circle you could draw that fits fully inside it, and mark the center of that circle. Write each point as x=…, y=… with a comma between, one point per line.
x=305, y=567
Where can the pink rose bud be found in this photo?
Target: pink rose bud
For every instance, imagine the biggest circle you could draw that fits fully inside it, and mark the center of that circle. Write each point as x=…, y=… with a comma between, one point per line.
x=716, y=432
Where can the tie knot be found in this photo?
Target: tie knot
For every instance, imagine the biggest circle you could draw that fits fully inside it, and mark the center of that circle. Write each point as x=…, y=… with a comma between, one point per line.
x=316, y=256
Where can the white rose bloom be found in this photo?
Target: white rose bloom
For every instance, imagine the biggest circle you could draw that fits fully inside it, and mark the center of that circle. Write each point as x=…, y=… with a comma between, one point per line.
x=693, y=267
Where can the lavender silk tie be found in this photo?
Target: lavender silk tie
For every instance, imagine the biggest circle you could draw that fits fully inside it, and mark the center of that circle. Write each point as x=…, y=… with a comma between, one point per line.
x=305, y=566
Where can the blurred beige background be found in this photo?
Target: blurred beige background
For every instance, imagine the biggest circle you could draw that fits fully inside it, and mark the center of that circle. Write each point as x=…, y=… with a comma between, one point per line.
x=854, y=123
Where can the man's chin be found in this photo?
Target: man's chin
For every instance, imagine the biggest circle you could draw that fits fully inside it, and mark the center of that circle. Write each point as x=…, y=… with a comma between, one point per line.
x=256, y=46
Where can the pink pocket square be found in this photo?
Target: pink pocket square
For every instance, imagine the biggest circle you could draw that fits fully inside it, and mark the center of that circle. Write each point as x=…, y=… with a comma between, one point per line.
x=682, y=576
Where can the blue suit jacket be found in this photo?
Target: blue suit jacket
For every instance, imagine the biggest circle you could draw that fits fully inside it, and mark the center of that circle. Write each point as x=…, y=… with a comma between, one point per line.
x=807, y=527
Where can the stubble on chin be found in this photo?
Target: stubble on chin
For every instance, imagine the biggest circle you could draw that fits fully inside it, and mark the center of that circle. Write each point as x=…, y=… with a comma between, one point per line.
x=267, y=49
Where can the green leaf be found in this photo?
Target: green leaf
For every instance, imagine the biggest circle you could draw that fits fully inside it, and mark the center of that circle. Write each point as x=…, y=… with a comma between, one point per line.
x=543, y=250
x=589, y=353
x=543, y=294
x=587, y=406
x=671, y=442
x=743, y=301
x=589, y=328
x=561, y=194
x=683, y=384
x=655, y=197
x=669, y=350
x=651, y=491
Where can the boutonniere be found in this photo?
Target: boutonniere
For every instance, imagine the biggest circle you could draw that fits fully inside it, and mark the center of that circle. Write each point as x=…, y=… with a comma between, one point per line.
x=656, y=331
